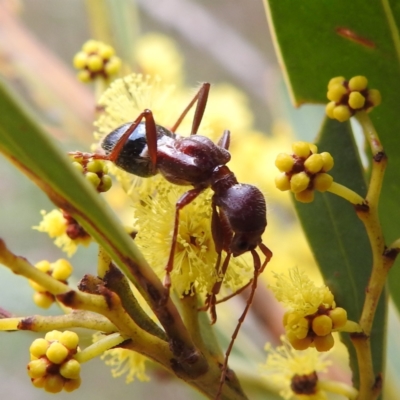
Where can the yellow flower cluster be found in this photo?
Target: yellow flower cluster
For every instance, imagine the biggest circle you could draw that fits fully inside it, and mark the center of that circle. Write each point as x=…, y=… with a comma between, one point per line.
x=53, y=366
x=96, y=60
x=95, y=171
x=312, y=314
x=66, y=230
x=348, y=97
x=287, y=367
x=304, y=171
x=60, y=270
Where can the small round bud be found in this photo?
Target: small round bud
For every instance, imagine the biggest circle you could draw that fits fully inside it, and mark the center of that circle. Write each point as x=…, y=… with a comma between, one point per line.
x=43, y=266
x=105, y=184
x=356, y=100
x=374, y=96
x=358, y=83
x=43, y=299
x=37, y=368
x=70, y=369
x=338, y=316
x=72, y=384
x=299, y=182
x=298, y=344
x=56, y=353
x=282, y=182
x=69, y=339
x=39, y=347
x=53, y=383
x=35, y=286
x=324, y=343
x=322, y=325
x=78, y=166
x=93, y=179
x=95, y=63
x=53, y=335
x=284, y=162
x=90, y=46
x=95, y=166
x=38, y=382
x=314, y=163
x=80, y=59
x=329, y=109
x=301, y=149
x=302, y=328
x=113, y=66
x=328, y=161
x=105, y=51
x=337, y=80
x=336, y=92
x=329, y=299
x=322, y=182
x=342, y=113
x=62, y=270
x=306, y=196
x=84, y=76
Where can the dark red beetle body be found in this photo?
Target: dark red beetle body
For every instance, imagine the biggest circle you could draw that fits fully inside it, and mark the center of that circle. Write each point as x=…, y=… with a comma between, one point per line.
x=238, y=210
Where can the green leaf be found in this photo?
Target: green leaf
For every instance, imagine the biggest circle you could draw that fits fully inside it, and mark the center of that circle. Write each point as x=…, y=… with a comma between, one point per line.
x=29, y=148
x=318, y=40
x=338, y=238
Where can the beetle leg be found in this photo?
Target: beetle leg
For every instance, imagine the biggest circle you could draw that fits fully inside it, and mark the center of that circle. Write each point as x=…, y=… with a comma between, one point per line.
x=201, y=98
x=185, y=199
x=225, y=140
x=257, y=271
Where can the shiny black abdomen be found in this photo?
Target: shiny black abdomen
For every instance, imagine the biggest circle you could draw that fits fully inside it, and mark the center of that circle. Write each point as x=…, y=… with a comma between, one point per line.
x=133, y=157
